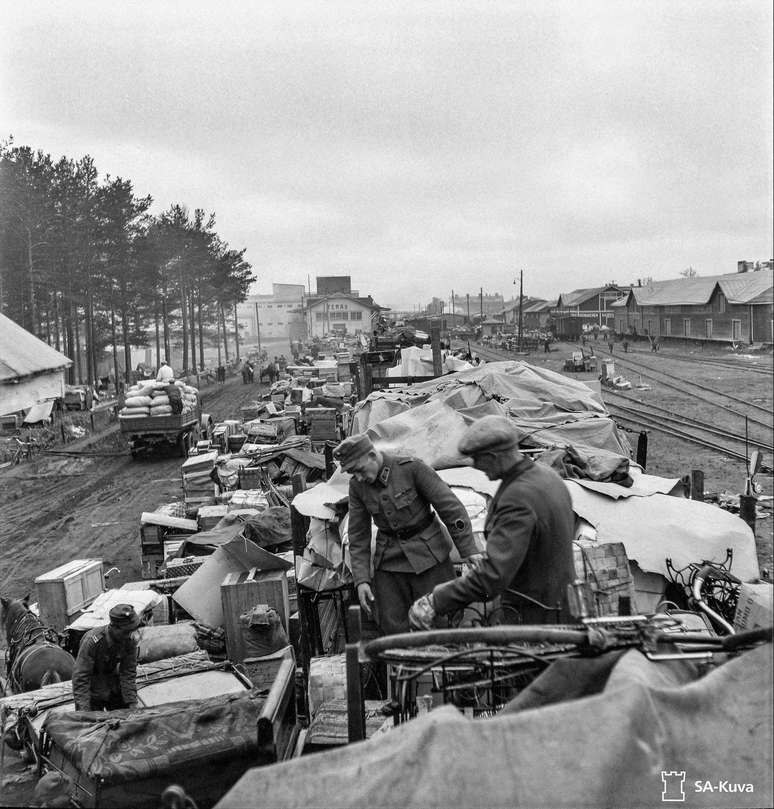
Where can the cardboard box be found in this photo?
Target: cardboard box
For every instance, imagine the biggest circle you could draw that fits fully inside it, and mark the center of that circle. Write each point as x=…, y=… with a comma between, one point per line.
x=200, y=595
x=754, y=606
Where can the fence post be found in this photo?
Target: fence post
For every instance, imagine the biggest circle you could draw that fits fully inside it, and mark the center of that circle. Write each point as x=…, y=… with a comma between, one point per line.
x=697, y=485
x=642, y=449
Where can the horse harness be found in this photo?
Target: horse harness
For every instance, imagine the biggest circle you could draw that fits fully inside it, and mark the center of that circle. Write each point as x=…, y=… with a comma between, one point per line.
x=26, y=637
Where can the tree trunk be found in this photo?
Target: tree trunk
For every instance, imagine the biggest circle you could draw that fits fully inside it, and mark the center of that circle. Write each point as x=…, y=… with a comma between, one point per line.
x=127, y=347
x=116, y=375
x=78, y=362
x=183, y=315
x=192, y=320
x=217, y=332
x=89, y=339
x=167, y=353
x=236, y=331
x=31, y=279
x=225, y=331
x=201, y=331
x=57, y=335
x=158, y=339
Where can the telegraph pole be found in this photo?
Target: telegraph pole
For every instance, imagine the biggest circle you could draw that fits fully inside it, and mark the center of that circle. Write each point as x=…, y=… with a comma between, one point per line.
x=521, y=296
x=258, y=328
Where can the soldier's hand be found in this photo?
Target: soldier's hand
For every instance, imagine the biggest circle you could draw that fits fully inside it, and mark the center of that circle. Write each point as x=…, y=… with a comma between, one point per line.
x=422, y=613
x=366, y=598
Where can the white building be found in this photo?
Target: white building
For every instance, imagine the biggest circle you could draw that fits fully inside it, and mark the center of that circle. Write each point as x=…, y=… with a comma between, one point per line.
x=342, y=313
x=269, y=316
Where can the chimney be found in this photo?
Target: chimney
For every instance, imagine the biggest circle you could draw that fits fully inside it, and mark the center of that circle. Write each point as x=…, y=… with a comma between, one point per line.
x=742, y=266
x=639, y=282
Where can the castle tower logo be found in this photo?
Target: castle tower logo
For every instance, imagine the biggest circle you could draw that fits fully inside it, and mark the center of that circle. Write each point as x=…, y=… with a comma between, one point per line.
x=673, y=783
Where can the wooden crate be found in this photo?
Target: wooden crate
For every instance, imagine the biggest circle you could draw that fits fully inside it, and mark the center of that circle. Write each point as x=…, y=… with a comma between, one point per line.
x=322, y=423
x=67, y=590
x=240, y=592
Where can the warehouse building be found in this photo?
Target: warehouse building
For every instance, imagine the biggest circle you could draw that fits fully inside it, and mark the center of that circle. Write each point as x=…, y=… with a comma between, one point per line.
x=735, y=308
x=581, y=309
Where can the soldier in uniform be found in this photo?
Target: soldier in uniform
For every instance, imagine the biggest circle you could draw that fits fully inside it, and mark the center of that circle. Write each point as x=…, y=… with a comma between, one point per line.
x=529, y=536
x=105, y=671
x=412, y=553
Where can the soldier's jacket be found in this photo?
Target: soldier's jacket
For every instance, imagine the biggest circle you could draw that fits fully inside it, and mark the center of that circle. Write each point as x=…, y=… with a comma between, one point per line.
x=399, y=499
x=529, y=534
x=104, y=667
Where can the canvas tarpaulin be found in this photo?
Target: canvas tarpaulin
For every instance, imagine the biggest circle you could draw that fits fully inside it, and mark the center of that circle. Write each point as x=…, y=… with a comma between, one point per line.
x=548, y=408
x=605, y=749
x=660, y=526
x=134, y=744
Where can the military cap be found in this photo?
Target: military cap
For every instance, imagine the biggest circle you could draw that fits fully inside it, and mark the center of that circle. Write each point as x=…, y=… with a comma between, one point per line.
x=123, y=616
x=489, y=434
x=351, y=449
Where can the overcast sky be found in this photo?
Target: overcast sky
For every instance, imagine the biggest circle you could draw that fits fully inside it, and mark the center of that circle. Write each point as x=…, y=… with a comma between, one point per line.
x=420, y=147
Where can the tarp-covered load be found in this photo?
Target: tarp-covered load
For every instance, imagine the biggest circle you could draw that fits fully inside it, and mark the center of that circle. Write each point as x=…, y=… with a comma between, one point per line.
x=656, y=730
x=426, y=420
x=204, y=745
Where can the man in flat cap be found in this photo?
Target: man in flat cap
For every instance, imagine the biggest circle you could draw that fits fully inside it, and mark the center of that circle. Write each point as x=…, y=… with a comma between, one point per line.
x=529, y=533
x=105, y=673
x=412, y=552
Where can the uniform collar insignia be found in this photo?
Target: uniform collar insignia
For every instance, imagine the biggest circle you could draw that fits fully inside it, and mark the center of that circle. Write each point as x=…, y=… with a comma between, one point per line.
x=384, y=475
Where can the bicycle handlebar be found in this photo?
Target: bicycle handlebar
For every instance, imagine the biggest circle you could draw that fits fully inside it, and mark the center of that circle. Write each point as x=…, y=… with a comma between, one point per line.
x=595, y=638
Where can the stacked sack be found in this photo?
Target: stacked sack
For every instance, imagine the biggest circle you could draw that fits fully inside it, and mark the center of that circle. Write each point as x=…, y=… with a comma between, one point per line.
x=159, y=404
x=150, y=398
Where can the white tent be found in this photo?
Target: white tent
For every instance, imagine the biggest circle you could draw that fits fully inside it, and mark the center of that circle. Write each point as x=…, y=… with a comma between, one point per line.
x=30, y=370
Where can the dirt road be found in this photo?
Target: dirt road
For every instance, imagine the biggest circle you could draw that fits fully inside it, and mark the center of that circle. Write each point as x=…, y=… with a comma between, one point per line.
x=88, y=505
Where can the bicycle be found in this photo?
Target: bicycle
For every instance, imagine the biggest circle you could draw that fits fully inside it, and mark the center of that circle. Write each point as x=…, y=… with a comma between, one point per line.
x=479, y=670
x=24, y=450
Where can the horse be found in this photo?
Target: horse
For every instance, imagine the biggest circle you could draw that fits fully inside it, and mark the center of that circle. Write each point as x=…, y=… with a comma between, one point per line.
x=33, y=658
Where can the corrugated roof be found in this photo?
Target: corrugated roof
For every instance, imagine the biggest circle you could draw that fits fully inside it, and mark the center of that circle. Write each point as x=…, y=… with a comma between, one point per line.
x=697, y=291
x=538, y=306
x=748, y=287
x=578, y=296
x=22, y=354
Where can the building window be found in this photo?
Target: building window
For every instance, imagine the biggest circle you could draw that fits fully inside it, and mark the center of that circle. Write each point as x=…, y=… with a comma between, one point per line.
x=343, y=315
x=667, y=327
x=736, y=330
x=686, y=327
x=356, y=315
x=319, y=316
x=721, y=303
x=708, y=328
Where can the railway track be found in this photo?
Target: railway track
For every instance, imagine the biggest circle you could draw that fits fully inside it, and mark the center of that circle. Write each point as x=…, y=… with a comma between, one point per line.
x=658, y=426
x=636, y=405
x=671, y=381
x=754, y=366
x=654, y=417
x=660, y=419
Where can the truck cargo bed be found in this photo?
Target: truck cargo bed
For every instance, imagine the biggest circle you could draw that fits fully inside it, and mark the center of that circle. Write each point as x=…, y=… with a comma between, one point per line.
x=159, y=424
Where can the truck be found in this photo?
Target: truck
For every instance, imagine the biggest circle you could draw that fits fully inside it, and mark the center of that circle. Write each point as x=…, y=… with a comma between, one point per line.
x=176, y=431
